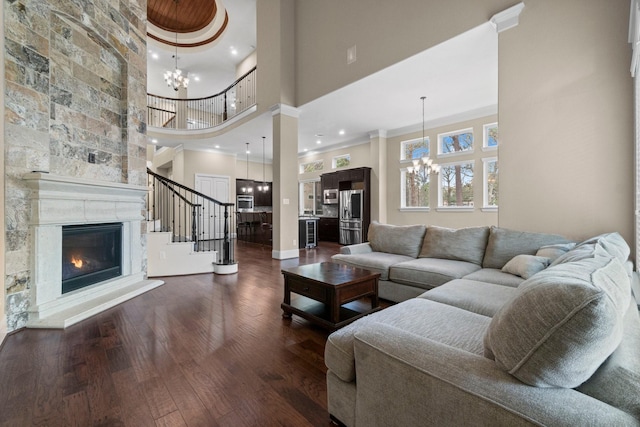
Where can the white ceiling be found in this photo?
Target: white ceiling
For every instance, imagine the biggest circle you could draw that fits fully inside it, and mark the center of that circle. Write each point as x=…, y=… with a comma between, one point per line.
x=459, y=79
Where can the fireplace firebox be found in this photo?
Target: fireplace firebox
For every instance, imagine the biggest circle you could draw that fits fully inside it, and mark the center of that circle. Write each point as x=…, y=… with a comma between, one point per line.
x=90, y=254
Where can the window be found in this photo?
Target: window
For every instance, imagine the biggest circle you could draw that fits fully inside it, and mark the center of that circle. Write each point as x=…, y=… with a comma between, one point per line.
x=341, y=161
x=455, y=142
x=315, y=166
x=490, y=182
x=490, y=135
x=414, y=149
x=456, y=185
x=413, y=178
x=310, y=198
x=415, y=188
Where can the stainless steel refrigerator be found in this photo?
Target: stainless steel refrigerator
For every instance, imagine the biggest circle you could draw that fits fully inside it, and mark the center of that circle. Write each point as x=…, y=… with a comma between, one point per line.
x=351, y=202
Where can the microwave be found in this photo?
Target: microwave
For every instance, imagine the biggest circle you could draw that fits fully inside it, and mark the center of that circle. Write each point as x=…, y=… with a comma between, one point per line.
x=330, y=197
x=244, y=203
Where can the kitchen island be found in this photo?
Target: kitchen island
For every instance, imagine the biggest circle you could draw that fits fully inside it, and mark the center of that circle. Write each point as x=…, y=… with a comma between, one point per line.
x=255, y=227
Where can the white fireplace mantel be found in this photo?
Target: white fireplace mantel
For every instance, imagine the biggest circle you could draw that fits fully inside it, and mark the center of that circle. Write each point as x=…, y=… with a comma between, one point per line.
x=57, y=201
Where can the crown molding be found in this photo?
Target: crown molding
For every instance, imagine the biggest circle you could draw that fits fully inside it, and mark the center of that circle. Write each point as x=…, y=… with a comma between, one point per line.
x=508, y=18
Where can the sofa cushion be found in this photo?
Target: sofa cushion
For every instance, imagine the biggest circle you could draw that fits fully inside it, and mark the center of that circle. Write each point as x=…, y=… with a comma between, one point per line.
x=554, y=251
x=478, y=297
x=562, y=324
x=463, y=244
x=612, y=243
x=428, y=273
x=396, y=239
x=374, y=261
x=504, y=244
x=617, y=381
x=526, y=266
x=496, y=276
x=439, y=322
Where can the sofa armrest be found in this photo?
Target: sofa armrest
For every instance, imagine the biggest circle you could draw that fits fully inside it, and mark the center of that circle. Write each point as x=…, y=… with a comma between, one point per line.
x=359, y=248
x=431, y=383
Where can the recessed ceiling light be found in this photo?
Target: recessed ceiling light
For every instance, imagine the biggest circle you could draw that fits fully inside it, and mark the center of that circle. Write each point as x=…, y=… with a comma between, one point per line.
x=306, y=149
x=318, y=142
x=234, y=51
x=196, y=78
x=217, y=146
x=341, y=132
x=155, y=141
x=154, y=55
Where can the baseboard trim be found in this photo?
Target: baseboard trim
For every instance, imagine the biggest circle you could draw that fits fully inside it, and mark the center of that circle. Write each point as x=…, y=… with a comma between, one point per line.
x=291, y=253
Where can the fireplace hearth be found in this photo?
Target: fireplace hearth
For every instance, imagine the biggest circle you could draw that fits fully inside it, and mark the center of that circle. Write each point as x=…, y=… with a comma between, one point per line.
x=111, y=258
x=90, y=254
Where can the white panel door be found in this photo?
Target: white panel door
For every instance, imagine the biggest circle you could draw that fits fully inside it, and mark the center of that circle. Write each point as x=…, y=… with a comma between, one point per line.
x=216, y=187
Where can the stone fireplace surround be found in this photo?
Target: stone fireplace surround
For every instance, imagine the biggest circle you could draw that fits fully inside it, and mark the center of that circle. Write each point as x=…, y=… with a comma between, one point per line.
x=57, y=201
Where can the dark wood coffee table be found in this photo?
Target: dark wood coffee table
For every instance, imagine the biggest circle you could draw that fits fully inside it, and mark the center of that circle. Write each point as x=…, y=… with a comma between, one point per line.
x=326, y=288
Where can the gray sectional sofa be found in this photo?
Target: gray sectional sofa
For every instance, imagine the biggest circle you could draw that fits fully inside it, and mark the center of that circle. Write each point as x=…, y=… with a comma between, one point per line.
x=495, y=327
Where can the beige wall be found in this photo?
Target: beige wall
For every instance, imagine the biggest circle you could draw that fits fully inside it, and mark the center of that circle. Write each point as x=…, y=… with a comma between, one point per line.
x=384, y=33
x=566, y=119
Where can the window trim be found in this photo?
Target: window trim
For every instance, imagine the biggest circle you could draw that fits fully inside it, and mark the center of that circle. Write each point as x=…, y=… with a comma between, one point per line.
x=473, y=181
x=485, y=184
x=403, y=192
x=443, y=135
x=406, y=141
x=485, y=137
x=334, y=161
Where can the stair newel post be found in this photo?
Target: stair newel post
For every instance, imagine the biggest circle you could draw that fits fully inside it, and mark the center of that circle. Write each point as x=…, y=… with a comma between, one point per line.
x=226, y=245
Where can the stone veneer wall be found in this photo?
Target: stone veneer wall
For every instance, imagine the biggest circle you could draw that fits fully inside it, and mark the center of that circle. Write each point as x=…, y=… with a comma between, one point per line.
x=75, y=86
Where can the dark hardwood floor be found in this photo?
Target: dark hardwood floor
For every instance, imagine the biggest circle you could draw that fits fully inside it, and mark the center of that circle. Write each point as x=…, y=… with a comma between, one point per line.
x=202, y=350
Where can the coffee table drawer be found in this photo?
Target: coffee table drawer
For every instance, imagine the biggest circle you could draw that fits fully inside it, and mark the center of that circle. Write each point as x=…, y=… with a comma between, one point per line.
x=312, y=291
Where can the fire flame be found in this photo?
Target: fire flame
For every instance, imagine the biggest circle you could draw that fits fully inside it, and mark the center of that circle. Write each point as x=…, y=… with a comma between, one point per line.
x=77, y=262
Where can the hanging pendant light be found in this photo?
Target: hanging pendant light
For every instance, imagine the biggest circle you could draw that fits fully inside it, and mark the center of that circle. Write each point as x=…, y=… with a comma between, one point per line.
x=264, y=187
x=174, y=78
x=248, y=188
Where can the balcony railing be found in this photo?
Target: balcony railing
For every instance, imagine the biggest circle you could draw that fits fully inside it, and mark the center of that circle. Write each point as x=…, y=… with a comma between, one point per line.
x=203, y=113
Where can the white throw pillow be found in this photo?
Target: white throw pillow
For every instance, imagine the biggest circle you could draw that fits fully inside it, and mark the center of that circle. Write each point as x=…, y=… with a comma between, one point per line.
x=526, y=266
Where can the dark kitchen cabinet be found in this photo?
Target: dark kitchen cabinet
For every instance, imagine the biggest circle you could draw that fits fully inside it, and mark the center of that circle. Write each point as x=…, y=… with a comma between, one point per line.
x=328, y=230
x=262, y=198
x=329, y=181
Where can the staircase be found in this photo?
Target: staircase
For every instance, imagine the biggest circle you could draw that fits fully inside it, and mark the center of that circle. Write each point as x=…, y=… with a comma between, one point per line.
x=187, y=231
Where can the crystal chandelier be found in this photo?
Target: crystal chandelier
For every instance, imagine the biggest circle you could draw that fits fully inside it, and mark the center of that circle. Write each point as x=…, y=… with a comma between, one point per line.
x=174, y=78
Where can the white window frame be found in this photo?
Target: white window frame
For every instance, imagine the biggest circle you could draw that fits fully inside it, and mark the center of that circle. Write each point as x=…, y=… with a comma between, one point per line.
x=473, y=183
x=403, y=158
x=403, y=194
x=334, y=161
x=485, y=137
x=302, y=166
x=486, y=207
x=441, y=136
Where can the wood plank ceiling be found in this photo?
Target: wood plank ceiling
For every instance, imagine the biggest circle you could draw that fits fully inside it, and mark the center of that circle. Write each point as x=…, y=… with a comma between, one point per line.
x=190, y=16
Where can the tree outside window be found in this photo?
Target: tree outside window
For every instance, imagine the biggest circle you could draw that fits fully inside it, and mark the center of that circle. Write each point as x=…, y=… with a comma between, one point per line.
x=491, y=135
x=414, y=181
x=312, y=166
x=456, y=185
x=455, y=142
x=490, y=182
x=341, y=161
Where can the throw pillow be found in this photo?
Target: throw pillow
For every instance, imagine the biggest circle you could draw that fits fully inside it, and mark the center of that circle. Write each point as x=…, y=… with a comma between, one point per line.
x=554, y=251
x=504, y=244
x=396, y=239
x=463, y=244
x=526, y=266
x=562, y=324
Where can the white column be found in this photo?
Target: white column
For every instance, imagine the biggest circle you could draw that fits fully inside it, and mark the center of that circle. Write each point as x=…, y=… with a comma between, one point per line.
x=285, y=182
